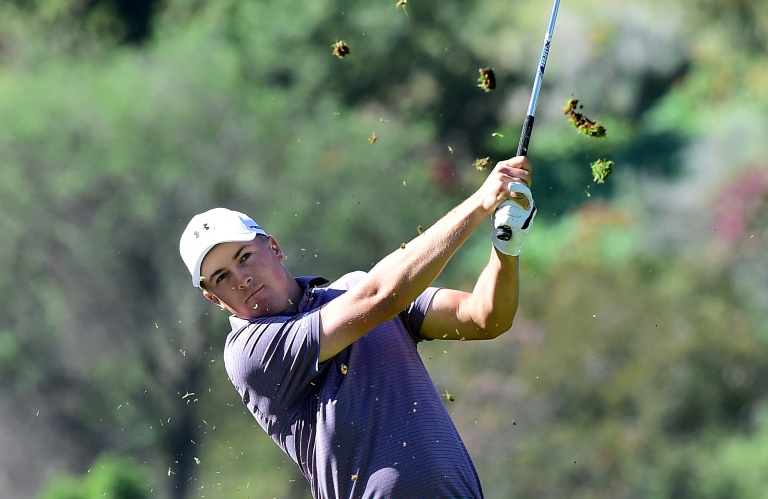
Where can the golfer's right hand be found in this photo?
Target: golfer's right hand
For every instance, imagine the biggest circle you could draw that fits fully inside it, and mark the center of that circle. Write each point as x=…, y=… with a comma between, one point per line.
x=495, y=189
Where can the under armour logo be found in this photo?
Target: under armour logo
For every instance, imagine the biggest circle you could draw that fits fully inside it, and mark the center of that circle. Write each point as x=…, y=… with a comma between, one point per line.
x=205, y=226
x=197, y=234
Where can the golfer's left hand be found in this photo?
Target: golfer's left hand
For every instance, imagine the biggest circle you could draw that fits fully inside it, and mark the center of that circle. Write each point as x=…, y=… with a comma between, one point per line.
x=518, y=210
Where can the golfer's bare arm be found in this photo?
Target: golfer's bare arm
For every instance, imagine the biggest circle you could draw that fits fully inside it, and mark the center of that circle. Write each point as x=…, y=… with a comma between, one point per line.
x=483, y=314
x=398, y=279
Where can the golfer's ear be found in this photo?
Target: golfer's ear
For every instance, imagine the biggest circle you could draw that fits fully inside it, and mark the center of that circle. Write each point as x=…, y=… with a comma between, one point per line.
x=212, y=298
x=275, y=247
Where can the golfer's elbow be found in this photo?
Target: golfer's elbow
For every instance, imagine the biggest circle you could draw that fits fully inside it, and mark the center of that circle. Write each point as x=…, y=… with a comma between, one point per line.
x=493, y=332
x=496, y=324
x=381, y=299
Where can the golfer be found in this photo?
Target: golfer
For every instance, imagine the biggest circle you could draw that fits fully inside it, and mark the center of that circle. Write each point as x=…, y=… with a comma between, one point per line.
x=331, y=372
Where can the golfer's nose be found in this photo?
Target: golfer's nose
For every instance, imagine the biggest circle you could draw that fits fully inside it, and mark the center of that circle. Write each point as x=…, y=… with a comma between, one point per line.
x=244, y=279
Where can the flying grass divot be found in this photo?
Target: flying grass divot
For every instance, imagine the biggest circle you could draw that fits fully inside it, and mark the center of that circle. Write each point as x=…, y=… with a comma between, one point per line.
x=581, y=122
x=481, y=163
x=340, y=49
x=487, y=79
x=601, y=168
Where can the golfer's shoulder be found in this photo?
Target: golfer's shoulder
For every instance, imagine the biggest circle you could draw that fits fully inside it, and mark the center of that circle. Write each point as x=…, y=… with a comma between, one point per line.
x=255, y=341
x=321, y=296
x=348, y=280
x=245, y=332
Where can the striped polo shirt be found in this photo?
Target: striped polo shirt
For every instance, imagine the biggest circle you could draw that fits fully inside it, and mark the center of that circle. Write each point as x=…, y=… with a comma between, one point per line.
x=367, y=423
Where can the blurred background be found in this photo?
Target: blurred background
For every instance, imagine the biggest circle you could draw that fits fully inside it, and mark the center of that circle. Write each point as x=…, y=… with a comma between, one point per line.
x=638, y=364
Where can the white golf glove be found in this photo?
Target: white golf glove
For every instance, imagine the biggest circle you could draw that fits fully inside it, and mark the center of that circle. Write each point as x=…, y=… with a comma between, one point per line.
x=516, y=217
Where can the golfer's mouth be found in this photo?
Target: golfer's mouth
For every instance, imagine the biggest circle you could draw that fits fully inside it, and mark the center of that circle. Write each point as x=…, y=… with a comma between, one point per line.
x=251, y=300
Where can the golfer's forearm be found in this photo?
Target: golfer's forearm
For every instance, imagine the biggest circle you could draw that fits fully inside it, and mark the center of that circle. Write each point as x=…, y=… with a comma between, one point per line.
x=398, y=279
x=493, y=303
x=407, y=272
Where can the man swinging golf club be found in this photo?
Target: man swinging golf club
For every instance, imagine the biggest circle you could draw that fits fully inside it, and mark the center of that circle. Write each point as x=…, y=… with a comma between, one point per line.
x=332, y=373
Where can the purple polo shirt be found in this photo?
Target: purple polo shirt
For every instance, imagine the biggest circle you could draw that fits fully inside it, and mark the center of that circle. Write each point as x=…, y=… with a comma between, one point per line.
x=368, y=423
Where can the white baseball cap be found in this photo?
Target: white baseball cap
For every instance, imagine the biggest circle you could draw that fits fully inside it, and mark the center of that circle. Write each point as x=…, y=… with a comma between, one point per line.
x=206, y=230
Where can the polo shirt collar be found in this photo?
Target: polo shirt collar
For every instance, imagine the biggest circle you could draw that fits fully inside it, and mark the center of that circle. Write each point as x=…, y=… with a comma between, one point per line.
x=307, y=285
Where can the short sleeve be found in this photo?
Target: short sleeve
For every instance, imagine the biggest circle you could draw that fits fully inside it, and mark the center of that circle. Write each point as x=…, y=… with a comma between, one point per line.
x=413, y=316
x=272, y=363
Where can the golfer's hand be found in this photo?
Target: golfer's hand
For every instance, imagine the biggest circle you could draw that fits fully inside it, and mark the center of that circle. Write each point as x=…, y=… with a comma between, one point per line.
x=496, y=189
x=516, y=209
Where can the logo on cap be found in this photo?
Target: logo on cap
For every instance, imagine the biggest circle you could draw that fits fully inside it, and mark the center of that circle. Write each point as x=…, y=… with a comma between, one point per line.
x=197, y=232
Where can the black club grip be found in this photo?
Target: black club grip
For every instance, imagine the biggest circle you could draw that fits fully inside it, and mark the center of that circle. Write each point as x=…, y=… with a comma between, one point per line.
x=503, y=232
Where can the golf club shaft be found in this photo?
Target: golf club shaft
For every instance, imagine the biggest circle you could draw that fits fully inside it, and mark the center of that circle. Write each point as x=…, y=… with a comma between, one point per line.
x=525, y=136
x=503, y=232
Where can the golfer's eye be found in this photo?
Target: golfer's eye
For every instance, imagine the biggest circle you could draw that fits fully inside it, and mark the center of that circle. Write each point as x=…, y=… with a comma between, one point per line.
x=221, y=277
x=244, y=257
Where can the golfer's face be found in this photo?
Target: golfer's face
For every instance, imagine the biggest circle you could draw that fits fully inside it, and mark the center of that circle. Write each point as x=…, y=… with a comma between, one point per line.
x=247, y=278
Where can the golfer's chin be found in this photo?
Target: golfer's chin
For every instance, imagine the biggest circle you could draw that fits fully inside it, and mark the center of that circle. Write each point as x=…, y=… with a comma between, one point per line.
x=256, y=312
x=247, y=313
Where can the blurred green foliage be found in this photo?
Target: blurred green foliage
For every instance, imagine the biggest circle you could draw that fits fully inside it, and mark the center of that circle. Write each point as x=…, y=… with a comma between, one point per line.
x=636, y=367
x=112, y=477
